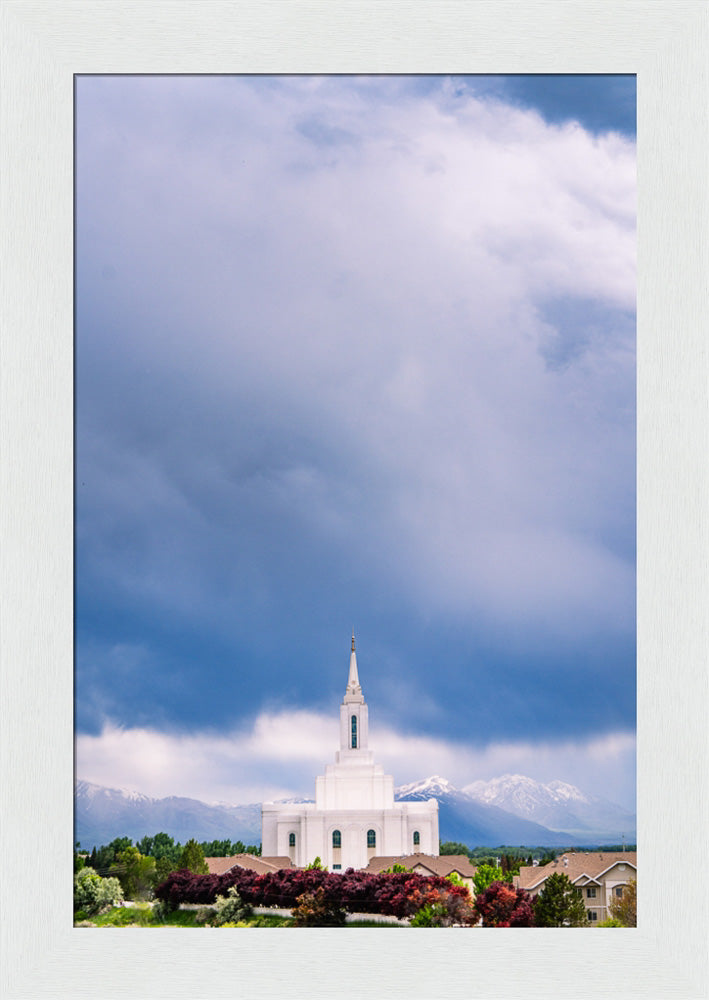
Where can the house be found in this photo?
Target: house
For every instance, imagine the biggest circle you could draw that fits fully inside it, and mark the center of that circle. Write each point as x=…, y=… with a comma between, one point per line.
x=354, y=817
x=600, y=876
x=428, y=864
x=260, y=865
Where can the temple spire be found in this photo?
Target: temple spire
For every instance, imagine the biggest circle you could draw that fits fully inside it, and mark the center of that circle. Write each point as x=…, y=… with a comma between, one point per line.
x=353, y=691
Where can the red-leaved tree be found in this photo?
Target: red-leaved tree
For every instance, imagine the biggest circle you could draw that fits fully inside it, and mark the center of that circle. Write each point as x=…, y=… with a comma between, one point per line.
x=501, y=905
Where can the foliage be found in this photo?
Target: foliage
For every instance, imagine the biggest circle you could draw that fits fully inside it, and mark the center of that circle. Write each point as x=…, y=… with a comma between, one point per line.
x=192, y=857
x=135, y=872
x=442, y=908
x=399, y=894
x=163, y=867
x=548, y=857
x=501, y=905
x=559, y=904
x=430, y=915
x=92, y=893
x=455, y=878
x=451, y=847
x=315, y=866
x=229, y=908
x=485, y=875
x=227, y=848
x=317, y=909
x=510, y=864
x=610, y=922
x=624, y=909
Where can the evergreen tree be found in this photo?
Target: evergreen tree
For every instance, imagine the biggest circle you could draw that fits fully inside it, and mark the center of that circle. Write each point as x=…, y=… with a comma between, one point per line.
x=559, y=904
x=192, y=857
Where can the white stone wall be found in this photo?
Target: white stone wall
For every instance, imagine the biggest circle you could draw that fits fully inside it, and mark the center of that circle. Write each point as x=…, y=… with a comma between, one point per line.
x=313, y=828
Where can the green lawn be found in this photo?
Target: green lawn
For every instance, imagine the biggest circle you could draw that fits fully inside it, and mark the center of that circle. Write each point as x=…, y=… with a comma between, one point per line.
x=142, y=916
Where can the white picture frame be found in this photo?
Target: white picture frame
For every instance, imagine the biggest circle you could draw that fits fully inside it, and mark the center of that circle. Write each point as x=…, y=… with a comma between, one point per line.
x=44, y=44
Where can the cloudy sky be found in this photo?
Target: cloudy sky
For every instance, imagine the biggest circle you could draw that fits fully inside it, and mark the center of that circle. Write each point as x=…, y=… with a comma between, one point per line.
x=354, y=352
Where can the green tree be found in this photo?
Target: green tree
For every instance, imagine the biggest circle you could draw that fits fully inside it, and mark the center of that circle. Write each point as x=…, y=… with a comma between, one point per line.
x=119, y=844
x=624, y=908
x=485, y=875
x=452, y=847
x=163, y=867
x=559, y=904
x=80, y=857
x=135, y=872
x=192, y=857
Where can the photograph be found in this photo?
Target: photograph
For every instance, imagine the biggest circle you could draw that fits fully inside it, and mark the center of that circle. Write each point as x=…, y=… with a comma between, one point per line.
x=355, y=488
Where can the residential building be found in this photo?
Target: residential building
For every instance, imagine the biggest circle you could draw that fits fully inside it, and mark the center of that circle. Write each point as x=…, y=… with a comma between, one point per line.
x=429, y=864
x=601, y=877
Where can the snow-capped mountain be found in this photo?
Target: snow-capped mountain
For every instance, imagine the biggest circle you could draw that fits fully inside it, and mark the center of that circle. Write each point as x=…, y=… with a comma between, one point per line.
x=102, y=814
x=512, y=810
x=463, y=819
x=428, y=788
x=556, y=805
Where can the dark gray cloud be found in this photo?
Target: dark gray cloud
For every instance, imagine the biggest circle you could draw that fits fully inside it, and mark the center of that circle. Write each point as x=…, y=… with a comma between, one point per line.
x=352, y=352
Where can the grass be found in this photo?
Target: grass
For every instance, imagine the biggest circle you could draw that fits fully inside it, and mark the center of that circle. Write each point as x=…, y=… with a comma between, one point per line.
x=141, y=915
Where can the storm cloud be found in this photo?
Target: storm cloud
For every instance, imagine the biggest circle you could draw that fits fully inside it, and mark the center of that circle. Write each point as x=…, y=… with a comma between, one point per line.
x=353, y=352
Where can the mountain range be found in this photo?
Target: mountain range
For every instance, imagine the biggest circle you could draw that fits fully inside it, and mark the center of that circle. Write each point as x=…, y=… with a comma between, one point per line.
x=512, y=809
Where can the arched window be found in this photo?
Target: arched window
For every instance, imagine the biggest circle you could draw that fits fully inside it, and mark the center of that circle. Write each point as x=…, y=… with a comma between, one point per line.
x=354, y=732
x=291, y=840
x=371, y=838
x=417, y=838
x=336, y=838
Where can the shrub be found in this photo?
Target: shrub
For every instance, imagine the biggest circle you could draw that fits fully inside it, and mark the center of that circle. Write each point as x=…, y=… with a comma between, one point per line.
x=430, y=915
x=93, y=893
x=444, y=909
x=230, y=909
x=161, y=910
x=400, y=894
x=314, y=909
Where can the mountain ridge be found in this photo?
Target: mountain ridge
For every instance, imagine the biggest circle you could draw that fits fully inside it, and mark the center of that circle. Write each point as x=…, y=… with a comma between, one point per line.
x=473, y=815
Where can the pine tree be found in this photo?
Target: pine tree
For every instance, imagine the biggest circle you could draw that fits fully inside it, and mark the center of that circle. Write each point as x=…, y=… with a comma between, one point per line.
x=559, y=904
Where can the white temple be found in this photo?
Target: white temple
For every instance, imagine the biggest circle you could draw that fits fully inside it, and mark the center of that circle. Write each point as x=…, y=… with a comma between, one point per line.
x=354, y=817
